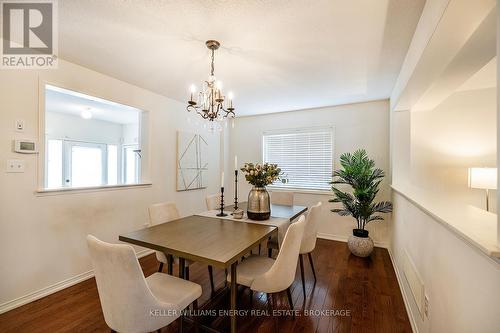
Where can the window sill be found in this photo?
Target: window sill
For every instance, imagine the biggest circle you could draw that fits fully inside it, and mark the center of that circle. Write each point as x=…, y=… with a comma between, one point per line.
x=299, y=190
x=74, y=190
x=475, y=226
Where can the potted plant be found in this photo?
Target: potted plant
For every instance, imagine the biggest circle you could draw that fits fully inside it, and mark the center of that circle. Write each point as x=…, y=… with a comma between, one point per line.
x=259, y=205
x=359, y=172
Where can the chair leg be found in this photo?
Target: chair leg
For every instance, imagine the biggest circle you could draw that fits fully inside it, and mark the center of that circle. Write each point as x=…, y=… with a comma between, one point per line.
x=160, y=268
x=186, y=273
x=302, y=275
x=251, y=298
x=290, y=301
x=270, y=252
x=181, y=324
x=211, y=277
x=312, y=265
x=260, y=246
x=270, y=306
x=225, y=278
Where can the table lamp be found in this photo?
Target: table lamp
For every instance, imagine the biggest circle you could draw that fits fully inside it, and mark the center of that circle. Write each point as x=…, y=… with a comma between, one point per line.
x=483, y=178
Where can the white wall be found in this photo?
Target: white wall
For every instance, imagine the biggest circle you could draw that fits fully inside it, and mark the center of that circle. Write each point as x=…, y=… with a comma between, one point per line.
x=363, y=125
x=42, y=237
x=461, y=283
x=446, y=141
x=430, y=153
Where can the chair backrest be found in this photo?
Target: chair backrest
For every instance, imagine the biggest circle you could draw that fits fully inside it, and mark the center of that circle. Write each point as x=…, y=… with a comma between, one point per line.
x=163, y=212
x=281, y=275
x=213, y=201
x=311, y=230
x=125, y=296
x=282, y=198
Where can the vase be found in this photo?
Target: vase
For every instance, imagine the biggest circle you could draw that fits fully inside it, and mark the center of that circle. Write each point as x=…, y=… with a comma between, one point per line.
x=359, y=243
x=259, y=204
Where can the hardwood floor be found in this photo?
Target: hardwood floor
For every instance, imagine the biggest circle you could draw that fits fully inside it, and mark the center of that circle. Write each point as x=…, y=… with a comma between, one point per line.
x=363, y=293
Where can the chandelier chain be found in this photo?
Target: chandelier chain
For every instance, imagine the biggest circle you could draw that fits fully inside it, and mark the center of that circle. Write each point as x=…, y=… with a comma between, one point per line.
x=212, y=66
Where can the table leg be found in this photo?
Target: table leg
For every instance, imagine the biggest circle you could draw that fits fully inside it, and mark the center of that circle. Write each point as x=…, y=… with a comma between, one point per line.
x=170, y=263
x=233, y=296
x=182, y=267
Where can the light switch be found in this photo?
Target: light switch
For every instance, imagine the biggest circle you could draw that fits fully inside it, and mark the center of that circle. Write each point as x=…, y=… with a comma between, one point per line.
x=15, y=166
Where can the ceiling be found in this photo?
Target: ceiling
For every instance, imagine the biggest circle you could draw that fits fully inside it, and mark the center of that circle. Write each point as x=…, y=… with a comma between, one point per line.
x=73, y=103
x=485, y=78
x=276, y=55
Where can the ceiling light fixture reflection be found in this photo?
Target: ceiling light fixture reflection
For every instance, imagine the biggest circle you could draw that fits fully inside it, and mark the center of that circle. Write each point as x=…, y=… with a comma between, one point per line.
x=86, y=114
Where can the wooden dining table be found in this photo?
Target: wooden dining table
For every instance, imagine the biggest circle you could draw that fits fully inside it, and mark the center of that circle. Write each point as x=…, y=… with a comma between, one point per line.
x=213, y=241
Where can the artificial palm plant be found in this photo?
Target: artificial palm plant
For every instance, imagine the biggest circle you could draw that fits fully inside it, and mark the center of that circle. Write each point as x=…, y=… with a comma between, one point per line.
x=359, y=172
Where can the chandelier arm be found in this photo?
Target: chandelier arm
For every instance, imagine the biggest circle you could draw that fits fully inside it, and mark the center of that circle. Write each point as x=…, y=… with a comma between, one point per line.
x=202, y=114
x=228, y=112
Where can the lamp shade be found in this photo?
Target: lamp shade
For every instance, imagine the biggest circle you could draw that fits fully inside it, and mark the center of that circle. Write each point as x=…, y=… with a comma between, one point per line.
x=483, y=178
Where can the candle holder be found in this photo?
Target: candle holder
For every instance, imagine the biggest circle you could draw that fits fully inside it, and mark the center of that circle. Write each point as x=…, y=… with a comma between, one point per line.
x=235, y=189
x=221, y=214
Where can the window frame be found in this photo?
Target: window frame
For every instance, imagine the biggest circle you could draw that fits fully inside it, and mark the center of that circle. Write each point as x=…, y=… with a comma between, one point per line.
x=123, y=165
x=299, y=130
x=144, y=128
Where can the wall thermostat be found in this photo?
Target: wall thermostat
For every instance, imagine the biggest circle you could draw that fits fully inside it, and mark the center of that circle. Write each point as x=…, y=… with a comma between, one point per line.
x=25, y=146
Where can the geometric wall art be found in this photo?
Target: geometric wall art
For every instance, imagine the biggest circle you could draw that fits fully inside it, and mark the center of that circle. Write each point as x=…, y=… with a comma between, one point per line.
x=192, y=161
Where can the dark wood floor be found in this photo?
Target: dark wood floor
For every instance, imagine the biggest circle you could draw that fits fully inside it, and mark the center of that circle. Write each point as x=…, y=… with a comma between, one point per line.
x=365, y=288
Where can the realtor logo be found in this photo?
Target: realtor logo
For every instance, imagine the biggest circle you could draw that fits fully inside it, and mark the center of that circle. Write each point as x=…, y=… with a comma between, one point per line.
x=29, y=39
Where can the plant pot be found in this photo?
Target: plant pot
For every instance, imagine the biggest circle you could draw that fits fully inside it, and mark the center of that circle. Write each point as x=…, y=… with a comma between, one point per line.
x=359, y=243
x=259, y=204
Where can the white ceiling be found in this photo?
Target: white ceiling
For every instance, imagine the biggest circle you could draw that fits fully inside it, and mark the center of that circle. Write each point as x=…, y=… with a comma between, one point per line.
x=73, y=103
x=485, y=78
x=276, y=55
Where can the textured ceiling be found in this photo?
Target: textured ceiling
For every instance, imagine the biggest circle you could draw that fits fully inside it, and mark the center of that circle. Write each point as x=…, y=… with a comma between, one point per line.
x=276, y=55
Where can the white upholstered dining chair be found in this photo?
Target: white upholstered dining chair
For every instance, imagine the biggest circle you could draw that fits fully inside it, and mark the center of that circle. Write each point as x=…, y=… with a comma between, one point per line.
x=213, y=201
x=271, y=276
x=128, y=300
x=162, y=213
x=282, y=198
x=278, y=198
x=309, y=241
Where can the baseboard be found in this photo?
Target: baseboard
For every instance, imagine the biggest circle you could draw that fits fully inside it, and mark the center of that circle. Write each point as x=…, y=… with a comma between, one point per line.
x=406, y=299
x=342, y=238
x=33, y=296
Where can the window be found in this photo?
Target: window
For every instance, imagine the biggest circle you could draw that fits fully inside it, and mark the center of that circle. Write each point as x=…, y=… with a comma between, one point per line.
x=89, y=141
x=304, y=155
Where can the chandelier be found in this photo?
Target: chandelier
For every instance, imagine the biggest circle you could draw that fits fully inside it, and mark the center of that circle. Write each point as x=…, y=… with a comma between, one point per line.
x=210, y=103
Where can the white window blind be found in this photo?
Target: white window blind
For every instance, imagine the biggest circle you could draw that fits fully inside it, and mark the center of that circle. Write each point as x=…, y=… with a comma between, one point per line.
x=304, y=155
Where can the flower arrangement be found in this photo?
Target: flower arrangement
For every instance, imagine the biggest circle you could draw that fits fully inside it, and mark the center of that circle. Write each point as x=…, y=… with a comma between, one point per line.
x=261, y=175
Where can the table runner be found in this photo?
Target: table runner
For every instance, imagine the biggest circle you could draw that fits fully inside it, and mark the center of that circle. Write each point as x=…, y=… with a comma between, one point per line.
x=279, y=222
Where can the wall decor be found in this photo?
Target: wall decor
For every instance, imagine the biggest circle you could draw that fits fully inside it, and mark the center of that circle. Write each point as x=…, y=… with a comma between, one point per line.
x=192, y=161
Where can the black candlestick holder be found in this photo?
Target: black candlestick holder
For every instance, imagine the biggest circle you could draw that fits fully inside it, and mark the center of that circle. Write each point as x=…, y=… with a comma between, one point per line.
x=221, y=214
x=235, y=189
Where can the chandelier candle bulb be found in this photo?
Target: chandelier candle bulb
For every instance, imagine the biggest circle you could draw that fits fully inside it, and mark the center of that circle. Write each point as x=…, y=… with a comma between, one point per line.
x=192, y=89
